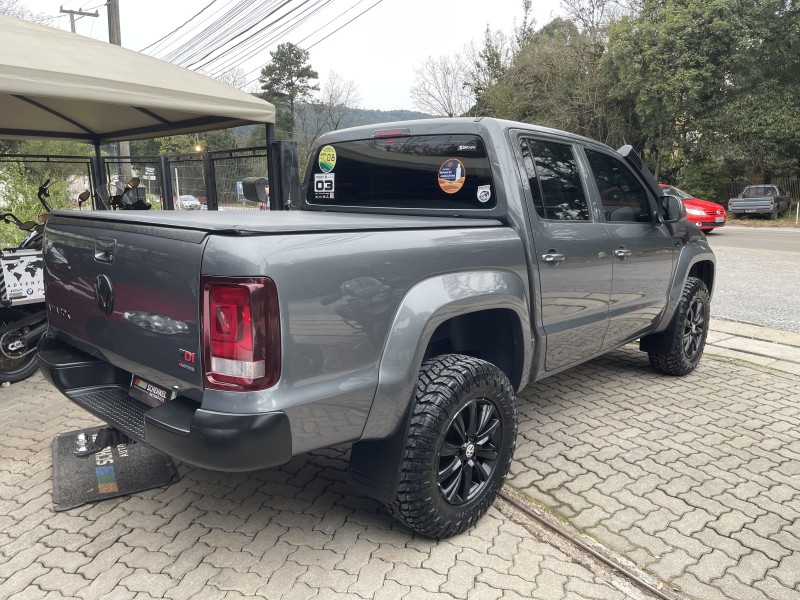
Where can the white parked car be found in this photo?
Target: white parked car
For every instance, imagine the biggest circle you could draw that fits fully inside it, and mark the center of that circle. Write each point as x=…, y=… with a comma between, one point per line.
x=187, y=202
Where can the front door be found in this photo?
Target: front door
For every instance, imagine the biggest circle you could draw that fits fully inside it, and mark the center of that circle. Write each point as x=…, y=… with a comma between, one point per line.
x=642, y=249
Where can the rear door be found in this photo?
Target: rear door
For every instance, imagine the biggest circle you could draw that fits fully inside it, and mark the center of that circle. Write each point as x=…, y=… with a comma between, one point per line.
x=572, y=251
x=642, y=248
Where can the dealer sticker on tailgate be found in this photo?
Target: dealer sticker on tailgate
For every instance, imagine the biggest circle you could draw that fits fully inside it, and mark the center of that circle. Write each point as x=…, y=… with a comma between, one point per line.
x=149, y=393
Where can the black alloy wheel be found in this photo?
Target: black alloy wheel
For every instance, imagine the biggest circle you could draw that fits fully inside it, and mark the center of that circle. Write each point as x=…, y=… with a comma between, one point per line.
x=468, y=455
x=694, y=328
x=687, y=333
x=459, y=444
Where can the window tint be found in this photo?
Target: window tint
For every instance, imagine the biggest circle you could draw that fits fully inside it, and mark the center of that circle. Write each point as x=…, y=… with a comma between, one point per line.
x=622, y=196
x=555, y=181
x=426, y=171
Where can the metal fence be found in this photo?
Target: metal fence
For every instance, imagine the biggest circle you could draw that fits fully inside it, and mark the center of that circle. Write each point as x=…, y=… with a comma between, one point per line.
x=230, y=168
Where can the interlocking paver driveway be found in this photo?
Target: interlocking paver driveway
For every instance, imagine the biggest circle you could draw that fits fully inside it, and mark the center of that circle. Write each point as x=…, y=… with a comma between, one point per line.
x=293, y=532
x=697, y=479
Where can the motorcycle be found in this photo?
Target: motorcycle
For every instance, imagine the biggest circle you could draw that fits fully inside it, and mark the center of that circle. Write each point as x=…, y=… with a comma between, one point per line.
x=23, y=314
x=23, y=317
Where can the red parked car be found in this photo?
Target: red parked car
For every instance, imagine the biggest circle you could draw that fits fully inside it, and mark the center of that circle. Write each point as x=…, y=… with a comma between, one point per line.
x=706, y=215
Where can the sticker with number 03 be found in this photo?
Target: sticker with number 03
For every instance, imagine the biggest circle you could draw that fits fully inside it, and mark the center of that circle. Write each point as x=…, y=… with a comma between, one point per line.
x=324, y=185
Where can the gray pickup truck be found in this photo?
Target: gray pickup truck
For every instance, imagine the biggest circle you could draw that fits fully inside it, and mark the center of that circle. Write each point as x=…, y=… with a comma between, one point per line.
x=435, y=268
x=762, y=199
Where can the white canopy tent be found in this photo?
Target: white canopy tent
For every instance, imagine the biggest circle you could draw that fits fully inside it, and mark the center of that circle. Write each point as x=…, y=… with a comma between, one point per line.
x=56, y=84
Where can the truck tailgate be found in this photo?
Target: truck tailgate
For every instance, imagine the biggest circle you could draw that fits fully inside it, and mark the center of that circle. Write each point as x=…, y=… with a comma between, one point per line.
x=128, y=294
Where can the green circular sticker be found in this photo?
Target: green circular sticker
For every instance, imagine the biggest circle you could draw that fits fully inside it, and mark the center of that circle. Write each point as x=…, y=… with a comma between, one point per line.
x=327, y=159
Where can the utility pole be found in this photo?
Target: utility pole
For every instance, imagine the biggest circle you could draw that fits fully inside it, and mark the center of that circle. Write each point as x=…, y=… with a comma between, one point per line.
x=115, y=37
x=114, y=34
x=72, y=14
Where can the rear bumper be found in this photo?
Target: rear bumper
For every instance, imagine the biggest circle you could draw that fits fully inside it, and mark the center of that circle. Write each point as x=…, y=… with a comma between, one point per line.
x=179, y=428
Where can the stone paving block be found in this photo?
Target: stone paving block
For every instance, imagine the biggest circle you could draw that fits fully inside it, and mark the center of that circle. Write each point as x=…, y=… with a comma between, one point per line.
x=712, y=566
x=672, y=564
x=154, y=584
x=405, y=575
x=69, y=562
x=184, y=539
x=775, y=589
x=282, y=580
x=482, y=591
x=229, y=580
x=141, y=558
x=104, y=560
x=729, y=523
x=392, y=590
x=442, y=557
x=788, y=570
x=21, y=579
x=336, y=580
x=22, y=559
x=371, y=578
x=57, y=580
x=188, y=561
x=733, y=588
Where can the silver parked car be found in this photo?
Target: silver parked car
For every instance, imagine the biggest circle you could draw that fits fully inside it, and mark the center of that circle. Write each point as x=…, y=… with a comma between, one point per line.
x=187, y=202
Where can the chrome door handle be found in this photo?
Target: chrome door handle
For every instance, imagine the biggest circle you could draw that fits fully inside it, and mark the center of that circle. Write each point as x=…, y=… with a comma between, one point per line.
x=553, y=258
x=622, y=253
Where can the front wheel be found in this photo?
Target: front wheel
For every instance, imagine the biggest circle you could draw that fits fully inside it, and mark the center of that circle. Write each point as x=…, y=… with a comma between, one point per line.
x=17, y=360
x=459, y=446
x=690, y=331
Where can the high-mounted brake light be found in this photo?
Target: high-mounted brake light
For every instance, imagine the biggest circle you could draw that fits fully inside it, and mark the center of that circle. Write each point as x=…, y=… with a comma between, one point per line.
x=241, y=333
x=383, y=133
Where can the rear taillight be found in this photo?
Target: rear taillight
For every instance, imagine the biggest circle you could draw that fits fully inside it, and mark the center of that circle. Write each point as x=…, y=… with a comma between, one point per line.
x=241, y=333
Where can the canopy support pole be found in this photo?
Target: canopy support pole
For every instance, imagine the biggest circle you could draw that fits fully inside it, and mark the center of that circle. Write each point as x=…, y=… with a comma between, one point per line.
x=100, y=180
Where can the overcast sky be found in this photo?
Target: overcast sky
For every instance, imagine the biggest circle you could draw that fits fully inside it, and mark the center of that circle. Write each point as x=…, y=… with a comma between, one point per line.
x=378, y=51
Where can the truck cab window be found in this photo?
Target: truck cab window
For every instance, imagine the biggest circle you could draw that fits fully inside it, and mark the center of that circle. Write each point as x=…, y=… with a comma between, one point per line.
x=624, y=199
x=555, y=181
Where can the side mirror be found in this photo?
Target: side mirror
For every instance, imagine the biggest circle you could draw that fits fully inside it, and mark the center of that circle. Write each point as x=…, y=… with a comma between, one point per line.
x=672, y=209
x=133, y=183
x=27, y=225
x=255, y=188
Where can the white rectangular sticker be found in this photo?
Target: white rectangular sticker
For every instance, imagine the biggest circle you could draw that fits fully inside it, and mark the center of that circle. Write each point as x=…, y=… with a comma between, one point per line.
x=324, y=185
x=22, y=275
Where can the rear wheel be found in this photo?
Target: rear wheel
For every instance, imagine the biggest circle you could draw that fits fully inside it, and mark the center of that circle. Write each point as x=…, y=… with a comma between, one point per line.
x=773, y=216
x=459, y=446
x=690, y=331
x=17, y=359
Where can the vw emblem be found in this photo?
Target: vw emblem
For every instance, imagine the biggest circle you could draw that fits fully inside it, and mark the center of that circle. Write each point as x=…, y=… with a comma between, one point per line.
x=469, y=452
x=103, y=294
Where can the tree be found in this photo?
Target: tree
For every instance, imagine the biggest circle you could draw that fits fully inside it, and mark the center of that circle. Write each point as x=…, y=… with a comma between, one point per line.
x=441, y=87
x=16, y=8
x=287, y=81
x=326, y=113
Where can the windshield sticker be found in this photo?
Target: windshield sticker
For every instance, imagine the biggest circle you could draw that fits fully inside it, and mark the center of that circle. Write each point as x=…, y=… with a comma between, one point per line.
x=324, y=185
x=327, y=159
x=484, y=193
x=452, y=175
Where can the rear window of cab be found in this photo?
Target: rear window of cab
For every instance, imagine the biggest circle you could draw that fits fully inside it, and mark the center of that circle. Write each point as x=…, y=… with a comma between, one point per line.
x=442, y=172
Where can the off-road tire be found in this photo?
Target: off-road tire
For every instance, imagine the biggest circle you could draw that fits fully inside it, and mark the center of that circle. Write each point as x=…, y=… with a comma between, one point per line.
x=447, y=389
x=690, y=331
x=773, y=216
x=14, y=369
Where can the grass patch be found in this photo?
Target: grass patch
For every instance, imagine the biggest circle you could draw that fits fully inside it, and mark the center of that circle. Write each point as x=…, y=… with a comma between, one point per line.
x=787, y=220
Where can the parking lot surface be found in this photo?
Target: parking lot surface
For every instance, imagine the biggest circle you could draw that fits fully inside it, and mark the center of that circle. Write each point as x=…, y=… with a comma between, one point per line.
x=695, y=479
x=292, y=532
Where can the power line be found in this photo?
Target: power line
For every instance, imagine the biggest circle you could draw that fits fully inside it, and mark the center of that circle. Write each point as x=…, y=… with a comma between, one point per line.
x=197, y=14
x=245, y=51
x=345, y=25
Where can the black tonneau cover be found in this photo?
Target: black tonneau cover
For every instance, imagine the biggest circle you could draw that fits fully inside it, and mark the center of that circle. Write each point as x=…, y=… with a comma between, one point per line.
x=258, y=222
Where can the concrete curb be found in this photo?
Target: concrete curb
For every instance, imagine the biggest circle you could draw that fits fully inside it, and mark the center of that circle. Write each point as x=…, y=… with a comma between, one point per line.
x=763, y=346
